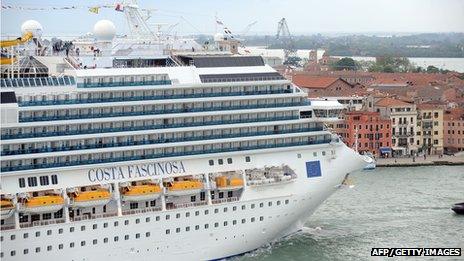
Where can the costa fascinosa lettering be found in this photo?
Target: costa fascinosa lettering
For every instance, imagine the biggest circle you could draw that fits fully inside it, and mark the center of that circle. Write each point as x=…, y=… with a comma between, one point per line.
x=136, y=171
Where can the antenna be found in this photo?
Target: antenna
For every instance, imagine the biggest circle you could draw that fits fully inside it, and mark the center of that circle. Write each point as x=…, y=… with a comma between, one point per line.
x=137, y=21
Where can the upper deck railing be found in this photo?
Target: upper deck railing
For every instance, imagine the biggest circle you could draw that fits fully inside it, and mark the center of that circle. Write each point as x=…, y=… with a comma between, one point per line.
x=37, y=82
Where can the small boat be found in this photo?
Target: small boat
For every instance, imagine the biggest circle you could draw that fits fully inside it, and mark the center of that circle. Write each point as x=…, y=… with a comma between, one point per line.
x=7, y=208
x=224, y=183
x=141, y=192
x=43, y=204
x=91, y=198
x=458, y=208
x=184, y=187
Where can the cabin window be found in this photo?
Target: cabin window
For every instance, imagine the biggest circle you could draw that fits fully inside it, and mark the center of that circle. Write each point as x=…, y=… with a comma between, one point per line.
x=37, y=249
x=211, y=162
x=49, y=248
x=247, y=159
x=220, y=161
x=105, y=240
x=22, y=182
x=261, y=218
x=71, y=245
x=44, y=180
x=54, y=179
x=126, y=237
x=26, y=251
x=197, y=227
x=229, y=160
x=32, y=181
x=116, y=239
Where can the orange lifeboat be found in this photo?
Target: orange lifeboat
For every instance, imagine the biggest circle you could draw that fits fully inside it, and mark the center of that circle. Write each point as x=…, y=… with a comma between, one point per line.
x=7, y=208
x=91, y=198
x=141, y=192
x=43, y=204
x=184, y=187
x=224, y=183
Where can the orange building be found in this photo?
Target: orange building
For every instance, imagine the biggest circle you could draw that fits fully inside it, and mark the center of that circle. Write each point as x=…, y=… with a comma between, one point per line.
x=453, y=130
x=372, y=132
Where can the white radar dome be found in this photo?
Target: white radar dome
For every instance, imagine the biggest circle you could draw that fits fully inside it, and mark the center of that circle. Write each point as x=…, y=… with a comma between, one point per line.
x=104, y=30
x=33, y=27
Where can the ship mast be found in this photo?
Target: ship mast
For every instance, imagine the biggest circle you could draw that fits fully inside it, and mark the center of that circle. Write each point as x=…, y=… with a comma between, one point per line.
x=136, y=21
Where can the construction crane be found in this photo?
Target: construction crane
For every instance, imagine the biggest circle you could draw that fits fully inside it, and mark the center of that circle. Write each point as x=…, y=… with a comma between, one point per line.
x=283, y=35
x=247, y=28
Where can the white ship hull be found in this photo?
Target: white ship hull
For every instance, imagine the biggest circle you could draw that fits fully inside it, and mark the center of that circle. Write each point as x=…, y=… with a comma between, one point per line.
x=263, y=214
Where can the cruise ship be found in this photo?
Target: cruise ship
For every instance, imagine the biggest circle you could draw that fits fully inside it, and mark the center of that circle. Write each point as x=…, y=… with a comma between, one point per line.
x=207, y=157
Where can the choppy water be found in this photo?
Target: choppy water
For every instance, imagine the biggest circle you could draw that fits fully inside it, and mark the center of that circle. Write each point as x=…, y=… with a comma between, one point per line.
x=388, y=207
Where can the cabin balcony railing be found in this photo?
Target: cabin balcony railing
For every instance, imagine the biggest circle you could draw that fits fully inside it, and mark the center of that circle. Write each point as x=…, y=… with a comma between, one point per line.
x=42, y=223
x=148, y=97
x=224, y=200
x=160, y=155
x=154, y=112
x=138, y=128
x=155, y=141
x=123, y=84
x=186, y=205
x=142, y=210
x=94, y=216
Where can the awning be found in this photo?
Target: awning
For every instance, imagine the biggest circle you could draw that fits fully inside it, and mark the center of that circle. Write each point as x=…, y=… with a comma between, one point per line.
x=385, y=150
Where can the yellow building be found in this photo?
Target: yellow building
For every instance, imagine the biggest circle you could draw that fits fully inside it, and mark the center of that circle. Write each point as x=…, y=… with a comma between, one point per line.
x=430, y=129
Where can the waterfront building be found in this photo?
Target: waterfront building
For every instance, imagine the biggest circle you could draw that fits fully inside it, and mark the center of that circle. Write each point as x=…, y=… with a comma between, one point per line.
x=453, y=130
x=371, y=132
x=403, y=117
x=430, y=129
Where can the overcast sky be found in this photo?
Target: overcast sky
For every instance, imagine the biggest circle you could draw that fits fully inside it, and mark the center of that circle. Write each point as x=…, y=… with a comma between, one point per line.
x=303, y=16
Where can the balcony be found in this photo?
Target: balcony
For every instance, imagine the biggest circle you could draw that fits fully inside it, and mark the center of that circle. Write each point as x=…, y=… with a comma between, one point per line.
x=159, y=155
x=403, y=134
x=154, y=112
x=138, y=128
x=157, y=141
x=146, y=98
x=123, y=84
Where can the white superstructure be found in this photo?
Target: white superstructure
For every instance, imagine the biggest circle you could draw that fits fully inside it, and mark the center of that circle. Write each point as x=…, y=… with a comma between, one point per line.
x=193, y=162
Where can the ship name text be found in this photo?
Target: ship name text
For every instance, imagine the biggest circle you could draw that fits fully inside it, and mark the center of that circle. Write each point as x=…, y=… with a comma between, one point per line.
x=136, y=171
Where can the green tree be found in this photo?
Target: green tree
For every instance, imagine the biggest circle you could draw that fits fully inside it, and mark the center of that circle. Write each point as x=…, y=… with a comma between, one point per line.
x=345, y=64
x=432, y=69
x=392, y=64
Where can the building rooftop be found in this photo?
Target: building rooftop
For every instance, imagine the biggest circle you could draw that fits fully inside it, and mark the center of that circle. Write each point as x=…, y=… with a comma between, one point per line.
x=313, y=82
x=390, y=102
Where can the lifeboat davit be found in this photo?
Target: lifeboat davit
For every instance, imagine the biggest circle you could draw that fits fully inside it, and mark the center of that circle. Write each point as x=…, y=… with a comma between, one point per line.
x=141, y=192
x=223, y=183
x=43, y=204
x=7, y=208
x=91, y=198
x=185, y=187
